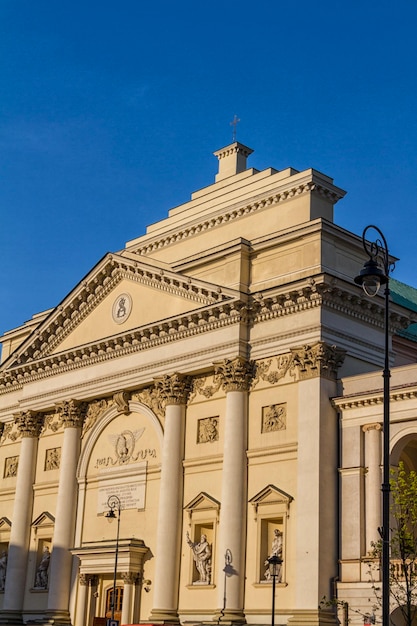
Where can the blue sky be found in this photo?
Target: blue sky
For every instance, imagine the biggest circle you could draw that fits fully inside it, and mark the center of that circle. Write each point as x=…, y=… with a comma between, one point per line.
x=110, y=112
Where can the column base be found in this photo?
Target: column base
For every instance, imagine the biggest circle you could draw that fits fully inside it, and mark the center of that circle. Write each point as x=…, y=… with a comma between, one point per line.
x=228, y=617
x=56, y=618
x=163, y=616
x=312, y=617
x=12, y=618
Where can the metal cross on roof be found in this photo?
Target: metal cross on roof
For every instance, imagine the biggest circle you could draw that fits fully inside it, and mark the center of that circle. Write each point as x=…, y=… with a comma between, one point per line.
x=234, y=123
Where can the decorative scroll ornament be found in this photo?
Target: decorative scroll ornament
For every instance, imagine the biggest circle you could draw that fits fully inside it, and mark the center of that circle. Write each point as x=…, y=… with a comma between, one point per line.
x=174, y=389
x=235, y=374
x=95, y=409
x=29, y=423
x=72, y=413
x=121, y=400
x=264, y=371
x=319, y=359
x=151, y=398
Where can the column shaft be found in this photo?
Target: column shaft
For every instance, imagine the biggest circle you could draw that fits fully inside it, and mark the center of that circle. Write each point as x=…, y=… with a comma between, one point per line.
x=372, y=483
x=169, y=517
x=20, y=531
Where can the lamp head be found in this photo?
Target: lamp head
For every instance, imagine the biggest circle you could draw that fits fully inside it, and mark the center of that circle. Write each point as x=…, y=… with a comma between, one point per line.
x=371, y=277
x=111, y=515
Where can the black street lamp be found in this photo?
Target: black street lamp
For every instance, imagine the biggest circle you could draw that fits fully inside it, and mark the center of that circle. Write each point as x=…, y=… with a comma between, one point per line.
x=374, y=274
x=274, y=563
x=114, y=504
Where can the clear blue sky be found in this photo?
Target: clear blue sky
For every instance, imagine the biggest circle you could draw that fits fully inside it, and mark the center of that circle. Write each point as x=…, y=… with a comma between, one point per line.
x=110, y=112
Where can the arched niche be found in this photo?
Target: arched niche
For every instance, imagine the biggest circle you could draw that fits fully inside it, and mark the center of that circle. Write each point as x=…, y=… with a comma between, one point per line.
x=404, y=448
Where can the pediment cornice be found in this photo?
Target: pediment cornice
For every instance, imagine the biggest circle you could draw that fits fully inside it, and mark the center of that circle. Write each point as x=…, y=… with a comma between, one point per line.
x=96, y=286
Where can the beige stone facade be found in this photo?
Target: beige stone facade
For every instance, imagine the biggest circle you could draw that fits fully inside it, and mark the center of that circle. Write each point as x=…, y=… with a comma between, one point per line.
x=219, y=376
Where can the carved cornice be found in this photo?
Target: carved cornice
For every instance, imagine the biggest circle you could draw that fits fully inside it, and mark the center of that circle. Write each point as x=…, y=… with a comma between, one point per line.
x=137, y=340
x=376, y=397
x=237, y=212
x=72, y=413
x=174, y=389
x=321, y=291
x=319, y=359
x=235, y=374
x=29, y=423
x=94, y=289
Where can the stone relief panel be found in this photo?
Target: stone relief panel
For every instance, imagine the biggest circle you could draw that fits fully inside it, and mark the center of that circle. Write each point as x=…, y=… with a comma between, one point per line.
x=274, y=417
x=10, y=466
x=52, y=459
x=208, y=429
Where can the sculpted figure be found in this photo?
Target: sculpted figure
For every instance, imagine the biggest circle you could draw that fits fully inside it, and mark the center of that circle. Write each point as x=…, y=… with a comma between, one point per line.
x=202, y=557
x=41, y=580
x=3, y=567
x=276, y=550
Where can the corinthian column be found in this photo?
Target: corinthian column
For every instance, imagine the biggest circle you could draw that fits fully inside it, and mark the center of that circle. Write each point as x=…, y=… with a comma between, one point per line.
x=29, y=424
x=174, y=391
x=373, y=481
x=236, y=378
x=72, y=415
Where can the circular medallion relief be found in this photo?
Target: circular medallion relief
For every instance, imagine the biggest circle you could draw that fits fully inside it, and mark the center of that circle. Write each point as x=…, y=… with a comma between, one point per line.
x=122, y=308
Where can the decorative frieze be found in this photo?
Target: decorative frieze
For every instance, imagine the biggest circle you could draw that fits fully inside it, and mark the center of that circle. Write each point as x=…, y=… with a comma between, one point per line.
x=174, y=389
x=29, y=423
x=319, y=359
x=273, y=370
x=235, y=374
x=72, y=413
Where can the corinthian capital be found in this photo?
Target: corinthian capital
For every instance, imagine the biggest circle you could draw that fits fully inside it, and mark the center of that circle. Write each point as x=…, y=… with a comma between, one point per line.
x=29, y=423
x=235, y=374
x=319, y=359
x=174, y=389
x=72, y=413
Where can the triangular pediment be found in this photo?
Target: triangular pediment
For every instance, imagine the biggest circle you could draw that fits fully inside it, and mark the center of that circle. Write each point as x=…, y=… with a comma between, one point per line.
x=271, y=495
x=5, y=523
x=44, y=519
x=120, y=294
x=202, y=502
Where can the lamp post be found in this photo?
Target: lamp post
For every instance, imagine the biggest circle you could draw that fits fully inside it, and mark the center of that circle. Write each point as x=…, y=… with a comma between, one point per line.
x=274, y=561
x=114, y=504
x=374, y=274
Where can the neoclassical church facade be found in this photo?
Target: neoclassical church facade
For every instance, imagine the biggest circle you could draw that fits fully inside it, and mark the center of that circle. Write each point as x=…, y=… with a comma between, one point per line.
x=214, y=390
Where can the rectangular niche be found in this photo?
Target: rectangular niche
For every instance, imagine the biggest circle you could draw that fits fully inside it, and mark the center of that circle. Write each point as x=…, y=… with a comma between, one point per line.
x=202, y=576
x=272, y=542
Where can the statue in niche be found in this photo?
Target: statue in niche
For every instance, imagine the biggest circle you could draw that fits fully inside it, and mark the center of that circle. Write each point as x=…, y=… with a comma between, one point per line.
x=3, y=567
x=41, y=580
x=202, y=558
x=276, y=550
